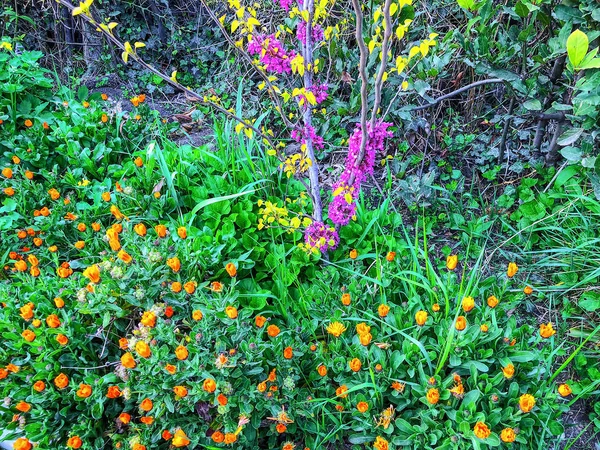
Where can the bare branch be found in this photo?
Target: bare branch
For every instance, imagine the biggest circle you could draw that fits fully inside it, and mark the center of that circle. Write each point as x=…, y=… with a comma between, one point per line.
x=438, y=100
x=384, y=56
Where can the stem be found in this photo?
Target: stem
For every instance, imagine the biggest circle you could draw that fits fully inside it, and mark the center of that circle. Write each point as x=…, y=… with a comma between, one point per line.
x=384, y=56
x=313, y=171
x=362, y=66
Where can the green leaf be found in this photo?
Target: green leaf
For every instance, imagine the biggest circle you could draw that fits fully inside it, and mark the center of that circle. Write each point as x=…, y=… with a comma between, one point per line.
x=571, y=153
x=589, y=301
x=569, y=137
x=533, y=105
x=591, y=64
x=577, y=47
x=466, y=4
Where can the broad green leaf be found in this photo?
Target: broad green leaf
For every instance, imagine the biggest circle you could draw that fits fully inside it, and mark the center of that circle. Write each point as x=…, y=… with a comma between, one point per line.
x=466, y=4
x=589, y=301
x=571, y=153
x=577, y=47
x=569, y=137
x=533, y=105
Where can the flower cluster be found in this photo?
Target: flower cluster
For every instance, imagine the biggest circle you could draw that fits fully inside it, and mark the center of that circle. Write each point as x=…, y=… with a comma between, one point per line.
x=347, y=189
x=317, y=32
x=272, y=53
x=321, y=237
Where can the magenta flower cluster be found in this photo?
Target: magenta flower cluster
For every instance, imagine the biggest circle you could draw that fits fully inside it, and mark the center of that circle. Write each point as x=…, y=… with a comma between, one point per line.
x=341, y=209
x=321, y=236
x=317, y=32
x=320, y=91
x=271, y=53
x=300, y=136
x=285, y=4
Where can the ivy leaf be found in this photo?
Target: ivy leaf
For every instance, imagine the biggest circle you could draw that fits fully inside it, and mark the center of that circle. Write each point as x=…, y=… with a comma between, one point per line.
x=577, y=47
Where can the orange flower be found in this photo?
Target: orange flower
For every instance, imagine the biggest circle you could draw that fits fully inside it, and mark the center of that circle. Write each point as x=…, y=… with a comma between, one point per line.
x=421, y=318
x=9, y=191
x=230, y=438
x=28, y=123
x=341, y=392
x=79, y=245
x=148, y=319
x=215, y=286
x=28, y=335
x=37, y=241
x=124, y=256
x=29, y=175
x=231, y=269
x=138, y=447
x=288, y=353
x=468, y=303
x=180, y=439
x=197, y=315
x=113, y=392
x=355, y=365
x=128, y=361
x=74, y=442
x=174, y=264
x=171, y=368
x=21, y=266
x=353, y=254
x=27, y=311
x=190, y=287
x=142, y=349
x=84, y=391
x=209, y=385
x=526, y=402
x=508, y=371
x=546, y=330
x=390, y=256
x=166, y=435
x=161, y=230
x=176, y=287
x=7, y=172
x=261, y=387
x=62, y=339
x=54, y=194
x=23, y=406
x=481, y=430
x=53, y=249
x=380, y=444
x=451, y=262
x=281, y=428
x=222, y=399
x=383, y=310
x=231, y=312
x=322, y=370
x=169, y=311
x=564, y=390
x=260, y=321
x=362, y=407
x=433, y=396
x=484, y=328
x=365, y=339
x=492, y=301
x=146, y=405
x=140, y=229
x=117, y=213
x=512, y=269
x=138, y=162
x=22, y=444
x=148, y=420
x=398, y=387
x=461, y=323
x=3, y=373
x=125, y=418
x=53, y=321
x=92, y=273
x=61, y=381
x=123, y=344
x=218, y=437
x=39, y=386
x=528, y=290
x=181, y=352
x=508, y=435
x=346, y=300
x=273, y=330
x=180, y=391
x=182, y=232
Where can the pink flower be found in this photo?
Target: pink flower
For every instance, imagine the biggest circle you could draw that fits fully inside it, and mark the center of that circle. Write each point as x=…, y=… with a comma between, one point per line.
x=271, y=53
x=321, y=236
x=317, y=32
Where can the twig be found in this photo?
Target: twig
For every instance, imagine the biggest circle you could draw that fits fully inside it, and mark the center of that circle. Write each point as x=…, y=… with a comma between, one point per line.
x=458, y=91
x=166, y=78
x=384, y=56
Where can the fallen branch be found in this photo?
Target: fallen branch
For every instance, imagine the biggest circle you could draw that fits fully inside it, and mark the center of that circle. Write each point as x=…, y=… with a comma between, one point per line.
x=438, y=100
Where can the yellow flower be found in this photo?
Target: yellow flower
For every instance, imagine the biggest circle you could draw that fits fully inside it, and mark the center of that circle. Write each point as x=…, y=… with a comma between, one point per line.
x=508, y=371
x=468, y=304
x=336, y=329
x=526, y=402
x=421, y=318
x=180, y=439
x=481, y=430
x=547, y=331
x=451, y=262
x=433, y=396
x=508, y=435
x=564, y=390
x=381, y=444
x=83, y=8
x=512, y=269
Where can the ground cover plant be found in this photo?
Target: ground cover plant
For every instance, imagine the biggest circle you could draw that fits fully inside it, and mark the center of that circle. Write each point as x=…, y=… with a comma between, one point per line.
x=159, y=295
